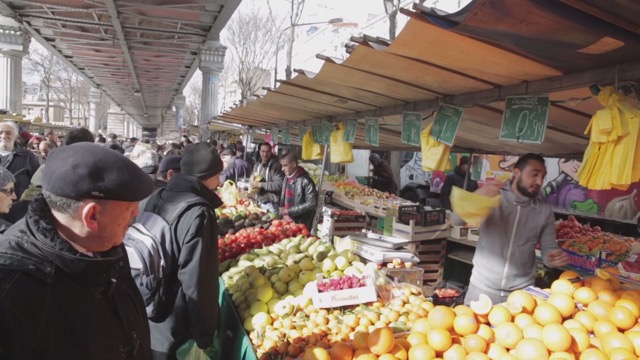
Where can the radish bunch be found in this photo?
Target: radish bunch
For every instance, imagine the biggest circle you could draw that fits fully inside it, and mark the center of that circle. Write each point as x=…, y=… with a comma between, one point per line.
x=341, y=283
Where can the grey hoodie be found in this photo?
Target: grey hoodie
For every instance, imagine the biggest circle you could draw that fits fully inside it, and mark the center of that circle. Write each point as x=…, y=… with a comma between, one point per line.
x=504, y=260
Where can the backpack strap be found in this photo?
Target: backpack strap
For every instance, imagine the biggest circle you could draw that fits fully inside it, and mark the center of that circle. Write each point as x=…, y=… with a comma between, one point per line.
x=170, y=214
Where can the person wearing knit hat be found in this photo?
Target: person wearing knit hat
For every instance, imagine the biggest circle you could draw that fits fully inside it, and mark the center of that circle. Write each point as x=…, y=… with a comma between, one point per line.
x=7, y=196
x=66, y=257
x=195, y=307
x=169, y=166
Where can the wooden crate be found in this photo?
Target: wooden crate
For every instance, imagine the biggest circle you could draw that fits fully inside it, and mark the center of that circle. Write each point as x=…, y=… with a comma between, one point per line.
x=432, y=254
x=420, y=233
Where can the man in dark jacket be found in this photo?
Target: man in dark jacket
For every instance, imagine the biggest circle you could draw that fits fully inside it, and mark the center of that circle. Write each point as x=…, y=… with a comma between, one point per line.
x=67, y=291
x=268, y=178
x=235, y=167
x=112, y=143
x=382, y=175
x=21, y=162
x=195, y=310
x=299, y=195
x=456, y=178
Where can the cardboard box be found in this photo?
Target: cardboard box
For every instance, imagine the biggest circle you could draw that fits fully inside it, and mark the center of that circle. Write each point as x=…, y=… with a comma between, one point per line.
x=473, y=234
x=339, y=298
x=419, y=233
x=459, y=232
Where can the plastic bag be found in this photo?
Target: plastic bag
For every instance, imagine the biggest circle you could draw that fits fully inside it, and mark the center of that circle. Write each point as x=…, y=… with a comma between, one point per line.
x=229, y=193
x=310, y=149
x=471, y=207
x=190, y=351
x=435, y=155
x=340, y=150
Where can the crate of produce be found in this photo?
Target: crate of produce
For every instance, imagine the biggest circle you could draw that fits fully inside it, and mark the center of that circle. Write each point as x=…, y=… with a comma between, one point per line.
x=413, y=275
x=419, y=233
x=597, y=250
x=450, y=293
x=420, y=215
x=343, y=291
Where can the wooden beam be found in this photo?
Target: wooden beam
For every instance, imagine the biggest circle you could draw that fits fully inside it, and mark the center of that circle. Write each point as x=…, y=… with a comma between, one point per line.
x=602, y=14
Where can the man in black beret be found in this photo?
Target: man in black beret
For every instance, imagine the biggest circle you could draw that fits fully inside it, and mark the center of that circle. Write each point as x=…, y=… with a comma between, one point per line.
x=195, y=311
x=67, y=291
x=168, y=167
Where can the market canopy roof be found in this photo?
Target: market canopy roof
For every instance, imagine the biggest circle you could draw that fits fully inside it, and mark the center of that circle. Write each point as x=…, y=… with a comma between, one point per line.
x=473, y=58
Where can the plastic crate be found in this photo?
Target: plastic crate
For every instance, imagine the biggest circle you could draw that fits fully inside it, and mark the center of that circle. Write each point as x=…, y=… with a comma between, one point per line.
x=363, y=180
x=450, y=300
x=420, y=215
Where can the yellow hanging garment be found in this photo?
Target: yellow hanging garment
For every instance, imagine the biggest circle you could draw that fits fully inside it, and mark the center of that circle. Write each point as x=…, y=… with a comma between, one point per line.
x=471, y=207
x=435, y=155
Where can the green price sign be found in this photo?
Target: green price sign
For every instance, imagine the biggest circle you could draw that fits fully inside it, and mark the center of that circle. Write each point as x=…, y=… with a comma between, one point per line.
x=275, y=133
x=411, y=123
x=302, y=131
x=525, y=119
x=446, y=123
x=321, y=133
x=372, y=131
x=350, y=128
x=286, y=136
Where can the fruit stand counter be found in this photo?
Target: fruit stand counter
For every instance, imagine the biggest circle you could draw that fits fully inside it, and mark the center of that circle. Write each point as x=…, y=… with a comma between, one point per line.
x=235, y=343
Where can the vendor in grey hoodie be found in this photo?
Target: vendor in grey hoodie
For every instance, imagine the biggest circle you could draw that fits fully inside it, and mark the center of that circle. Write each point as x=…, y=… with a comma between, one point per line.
x=504, y=260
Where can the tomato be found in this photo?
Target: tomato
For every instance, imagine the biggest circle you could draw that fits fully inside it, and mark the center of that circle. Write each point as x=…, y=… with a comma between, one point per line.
x=276, y=223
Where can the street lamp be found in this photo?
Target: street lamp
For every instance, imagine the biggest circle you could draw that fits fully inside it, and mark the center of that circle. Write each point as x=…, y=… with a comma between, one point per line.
x=291, y=39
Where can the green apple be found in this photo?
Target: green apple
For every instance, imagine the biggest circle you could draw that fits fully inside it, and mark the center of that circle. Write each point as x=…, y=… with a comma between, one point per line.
x=257, y=280
x=261, y=320
x=264, y=293
x=295, y=268
x=248, y=324
x=341, y=262
x=351, y=271
x=280, y=287
x=348, y=254
x=272, y=305
x=306, y=277
x=258, y=307
x=328, y=266
x=250, y=270
x=336, y=274
x=294, y=286
x=251, y=296
x=286, y=275
x=274, y=278
x=307, y=264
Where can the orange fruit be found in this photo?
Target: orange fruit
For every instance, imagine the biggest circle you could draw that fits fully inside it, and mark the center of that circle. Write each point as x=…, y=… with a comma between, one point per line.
x=463, y=309
x=316, y=353
x=603, y=327
x=531, y=349
x=485, y=331
x=416, y=338
x=533, y=331
x=441, y=317
x=399, y=352
x=556, y=337
x=365, y=356
x=341, y=351
x=477, y=355
x=574, y=324
x=455, y=352
x=465, y=324
x=608, y=296
x=546, y=314
x=630, y=305
x=496, y=351
x=523, y=320
x=498, y=315
x=579, y=340
x=508, y=335
x=474, y=342
x=562, y=286
x=439, y=339
x=562, y=355
x=585, y=318
x=381, y=340
x=634, y=337
x=523, y=299
x=421, y=325
x=622, y=317
x=422, y=352
x=482, y=306
x=621, y=354
x=387, y=357
x=616, y=340
x=563, y=302
x=404, y=343
x=593, y=354
x=360, y=340
x=585, y=295
x=599, y=284
x=600, y=309
x=570, y=274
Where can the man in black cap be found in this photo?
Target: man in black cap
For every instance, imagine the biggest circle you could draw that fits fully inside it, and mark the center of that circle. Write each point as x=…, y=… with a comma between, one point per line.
x=67, y=291
x=169, y=166
x=195, y=311
x=457, y=178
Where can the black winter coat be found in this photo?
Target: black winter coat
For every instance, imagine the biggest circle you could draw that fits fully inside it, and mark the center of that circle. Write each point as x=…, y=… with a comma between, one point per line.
x=306, y=199
x=56, y=303
x=23, y=165
x=195, y=311
x=272, y=186
x=455, y=179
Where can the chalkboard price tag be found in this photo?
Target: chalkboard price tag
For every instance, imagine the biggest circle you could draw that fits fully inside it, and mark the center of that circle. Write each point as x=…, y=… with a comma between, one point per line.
x=275, y=133
x=302, y=131
x=525, y=119
x=372, y=131
x=321, y=133
x=411, y=124
x=286, y=136
x=350, y=128
x=445, y=126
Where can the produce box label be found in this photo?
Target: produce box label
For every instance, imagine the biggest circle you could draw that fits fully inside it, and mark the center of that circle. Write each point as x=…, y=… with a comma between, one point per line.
x=587, y=262
x=338, y=298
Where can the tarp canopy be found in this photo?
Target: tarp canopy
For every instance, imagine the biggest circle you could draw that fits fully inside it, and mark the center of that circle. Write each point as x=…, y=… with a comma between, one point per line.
x=475, y=58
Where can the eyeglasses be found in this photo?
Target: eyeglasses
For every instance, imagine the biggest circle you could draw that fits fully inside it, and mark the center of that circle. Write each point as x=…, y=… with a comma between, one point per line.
x=8, y=192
